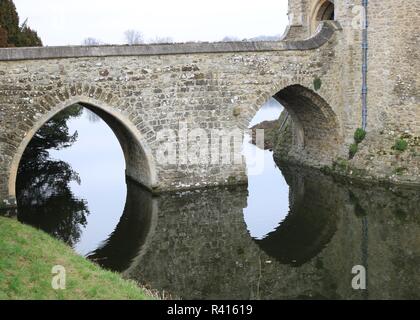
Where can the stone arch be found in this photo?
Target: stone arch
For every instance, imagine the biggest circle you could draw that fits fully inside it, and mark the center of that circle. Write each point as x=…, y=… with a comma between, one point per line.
x=140, y=163
x=321, y=10
x=317, y=134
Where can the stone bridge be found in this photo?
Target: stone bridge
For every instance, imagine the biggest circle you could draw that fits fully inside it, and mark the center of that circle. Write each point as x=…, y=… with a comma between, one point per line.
x=141, y=90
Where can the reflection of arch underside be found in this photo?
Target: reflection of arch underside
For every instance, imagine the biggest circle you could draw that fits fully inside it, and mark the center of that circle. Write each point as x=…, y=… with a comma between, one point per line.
x=127, y=244
x=139, y=161
x=315, y=124
x=311, y=222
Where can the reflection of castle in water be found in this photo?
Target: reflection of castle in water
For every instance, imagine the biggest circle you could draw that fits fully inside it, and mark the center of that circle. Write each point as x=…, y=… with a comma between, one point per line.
x=196, y=244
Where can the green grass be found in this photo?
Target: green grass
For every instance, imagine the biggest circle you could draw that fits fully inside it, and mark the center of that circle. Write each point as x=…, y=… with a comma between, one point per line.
x=27, y=256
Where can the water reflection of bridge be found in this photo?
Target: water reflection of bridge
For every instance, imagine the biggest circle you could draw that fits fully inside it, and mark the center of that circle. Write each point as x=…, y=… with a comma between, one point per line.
x=196, y=244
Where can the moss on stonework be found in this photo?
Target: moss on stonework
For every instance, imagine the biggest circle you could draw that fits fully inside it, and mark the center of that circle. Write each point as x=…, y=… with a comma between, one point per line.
x=231, y=180
x=353, y=150
x=340, y=164
x=400, y=145
x=359, y=136
x=342, y=168
x=317, y=84
x=236, y=111
x=400, y=170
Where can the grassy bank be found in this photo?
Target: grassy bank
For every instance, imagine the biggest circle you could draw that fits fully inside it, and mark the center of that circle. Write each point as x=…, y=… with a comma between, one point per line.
x=27, y=257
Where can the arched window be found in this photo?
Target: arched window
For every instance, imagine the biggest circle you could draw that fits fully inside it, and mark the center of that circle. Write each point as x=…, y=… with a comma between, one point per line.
x=326, y=11
x=322, y=10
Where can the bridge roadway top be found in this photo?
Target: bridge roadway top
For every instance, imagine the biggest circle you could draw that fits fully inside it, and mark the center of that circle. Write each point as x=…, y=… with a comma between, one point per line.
x=324, y=33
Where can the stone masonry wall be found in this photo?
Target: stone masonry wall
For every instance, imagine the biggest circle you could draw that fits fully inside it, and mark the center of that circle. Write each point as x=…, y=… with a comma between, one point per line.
x=393, y=97
x=393, y=93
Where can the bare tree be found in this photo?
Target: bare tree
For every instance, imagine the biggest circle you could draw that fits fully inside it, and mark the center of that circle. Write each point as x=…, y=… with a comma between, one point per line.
x=158, y=39
x=276, y=37
x=91, y=42
x=230, y=39
x=133, y=37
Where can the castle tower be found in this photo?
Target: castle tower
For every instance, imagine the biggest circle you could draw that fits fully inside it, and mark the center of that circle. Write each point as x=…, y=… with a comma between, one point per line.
x=378, y=74
x=393, y=59
x=394, y=65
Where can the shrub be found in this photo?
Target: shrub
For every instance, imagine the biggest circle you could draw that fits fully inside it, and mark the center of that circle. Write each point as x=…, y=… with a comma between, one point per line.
x=400, y=145
x=353, y=150
x=359, y=135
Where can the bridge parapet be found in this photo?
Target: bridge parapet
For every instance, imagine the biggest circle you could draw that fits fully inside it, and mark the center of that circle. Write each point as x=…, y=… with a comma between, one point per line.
x=317, y=40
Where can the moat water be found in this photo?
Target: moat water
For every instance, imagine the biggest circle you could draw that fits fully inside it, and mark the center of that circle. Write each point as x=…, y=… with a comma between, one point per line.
x=292, y=233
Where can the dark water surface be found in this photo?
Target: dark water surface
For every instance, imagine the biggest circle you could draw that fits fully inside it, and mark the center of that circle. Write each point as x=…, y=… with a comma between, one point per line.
x=292, y=233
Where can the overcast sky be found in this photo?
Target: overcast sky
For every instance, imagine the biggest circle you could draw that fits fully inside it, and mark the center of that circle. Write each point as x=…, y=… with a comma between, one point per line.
x=68, y=22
